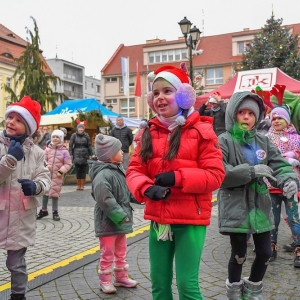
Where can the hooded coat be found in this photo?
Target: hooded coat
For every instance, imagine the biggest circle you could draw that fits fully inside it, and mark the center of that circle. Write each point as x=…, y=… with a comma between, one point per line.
x=17, y=211
x=112, y=197
x=58, y=157
x=80, y=148
x=244, y=203
x=198, y=171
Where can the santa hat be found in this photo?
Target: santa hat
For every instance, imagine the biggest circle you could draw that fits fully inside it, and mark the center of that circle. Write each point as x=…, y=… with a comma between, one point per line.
x=30, y=112
x=280, y=112
x=58, y=133
x=185, y=94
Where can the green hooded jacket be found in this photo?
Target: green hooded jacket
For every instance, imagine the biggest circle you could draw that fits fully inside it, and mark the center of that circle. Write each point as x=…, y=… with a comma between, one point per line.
x=244, y=203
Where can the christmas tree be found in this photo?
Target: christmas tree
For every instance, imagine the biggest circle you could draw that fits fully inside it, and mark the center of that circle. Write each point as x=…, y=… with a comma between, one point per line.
x=273, y=46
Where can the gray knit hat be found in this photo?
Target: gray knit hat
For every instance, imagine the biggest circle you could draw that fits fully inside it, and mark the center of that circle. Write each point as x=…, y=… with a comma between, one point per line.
x=106, y=147
x=251, y=104
x=80, y=126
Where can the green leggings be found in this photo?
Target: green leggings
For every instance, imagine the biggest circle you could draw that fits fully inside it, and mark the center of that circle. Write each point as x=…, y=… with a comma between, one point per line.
x=187, y=246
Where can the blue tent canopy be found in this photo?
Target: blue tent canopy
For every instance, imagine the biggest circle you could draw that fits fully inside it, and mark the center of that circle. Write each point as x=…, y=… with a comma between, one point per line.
x=63, y=113
x=81, y=105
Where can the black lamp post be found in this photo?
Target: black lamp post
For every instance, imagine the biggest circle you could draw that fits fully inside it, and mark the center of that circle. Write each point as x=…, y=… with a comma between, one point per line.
x=191, y=36
x=110, y=107
x=104, y=104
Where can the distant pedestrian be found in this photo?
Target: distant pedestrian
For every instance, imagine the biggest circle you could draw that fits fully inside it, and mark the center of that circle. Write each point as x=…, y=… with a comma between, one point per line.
x=138, y=135
x=123, y=134
x=23, y=177
x=113, y=213
x=58, y=161
x=284, y=136
x=46, y=137
x=80, y=148
x=216, y=111
x=174, y=169
x=243, y=199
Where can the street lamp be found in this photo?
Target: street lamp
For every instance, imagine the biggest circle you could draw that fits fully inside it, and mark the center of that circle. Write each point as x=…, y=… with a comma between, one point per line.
x=104, y=104
x=191, y=36
x=110, y=107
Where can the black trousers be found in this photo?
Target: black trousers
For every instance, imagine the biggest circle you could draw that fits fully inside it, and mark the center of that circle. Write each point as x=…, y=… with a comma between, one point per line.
x=80, y=171
x=262, y=242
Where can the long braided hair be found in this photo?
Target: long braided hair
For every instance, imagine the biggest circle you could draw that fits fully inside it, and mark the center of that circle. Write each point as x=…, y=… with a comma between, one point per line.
x=146, y=149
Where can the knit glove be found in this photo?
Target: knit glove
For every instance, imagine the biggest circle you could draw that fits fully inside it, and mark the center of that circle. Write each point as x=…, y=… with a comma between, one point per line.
x=28, y=187
x=165, y=179
x=290, y=188
x=16, y=150
x=264, y=171
x=290, y=154
x=156, y=193
x=294, y=162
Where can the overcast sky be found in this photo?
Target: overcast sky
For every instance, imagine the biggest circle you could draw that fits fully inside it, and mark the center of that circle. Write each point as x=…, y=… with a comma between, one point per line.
x=87, y=32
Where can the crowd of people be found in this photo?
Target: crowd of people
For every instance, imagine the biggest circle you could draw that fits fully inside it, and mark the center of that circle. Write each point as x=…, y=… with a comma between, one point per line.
x=180, y=157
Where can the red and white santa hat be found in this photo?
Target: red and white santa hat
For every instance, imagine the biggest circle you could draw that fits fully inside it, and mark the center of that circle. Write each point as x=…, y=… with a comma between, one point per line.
x=29, y=110
x=178, y=77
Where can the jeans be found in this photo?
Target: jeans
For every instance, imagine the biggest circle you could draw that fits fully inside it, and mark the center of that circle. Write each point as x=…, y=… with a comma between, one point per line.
x=292, y=216
x=16, y=264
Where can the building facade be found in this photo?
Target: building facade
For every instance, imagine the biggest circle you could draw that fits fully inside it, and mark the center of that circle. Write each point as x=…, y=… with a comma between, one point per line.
x=215, y=61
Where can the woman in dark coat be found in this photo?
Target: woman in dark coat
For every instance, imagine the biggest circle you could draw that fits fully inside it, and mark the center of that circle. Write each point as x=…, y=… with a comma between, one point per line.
x=80, y=148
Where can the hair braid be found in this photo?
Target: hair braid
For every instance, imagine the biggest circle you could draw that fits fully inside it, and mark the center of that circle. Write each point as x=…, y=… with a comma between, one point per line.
x=146, y=145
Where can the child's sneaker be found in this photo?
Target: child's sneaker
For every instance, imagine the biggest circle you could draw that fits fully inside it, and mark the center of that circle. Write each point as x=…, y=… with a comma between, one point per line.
x=297, y=258
x=56, y=216
x=42, y=214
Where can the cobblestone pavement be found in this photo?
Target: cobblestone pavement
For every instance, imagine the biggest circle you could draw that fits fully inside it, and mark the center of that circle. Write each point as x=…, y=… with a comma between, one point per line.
x=74, y=235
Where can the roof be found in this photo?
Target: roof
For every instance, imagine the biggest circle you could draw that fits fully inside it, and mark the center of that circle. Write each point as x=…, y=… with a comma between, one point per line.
x=14, y=46
x=217, y=51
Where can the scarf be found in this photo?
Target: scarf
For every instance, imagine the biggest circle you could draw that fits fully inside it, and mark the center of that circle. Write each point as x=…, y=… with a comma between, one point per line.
x=18, y=138
x=216, y=109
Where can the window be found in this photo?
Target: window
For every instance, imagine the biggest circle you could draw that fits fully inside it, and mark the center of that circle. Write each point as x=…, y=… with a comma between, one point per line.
x=85, y=84
x=92, y=85
x=214, y=76
x=242, y=47
x=167, y=55
x=97, y=88
x=111, y=101
x=131, y=83
x=8, y=82
x=6, y=54
x=124, y=107
x=111, y=79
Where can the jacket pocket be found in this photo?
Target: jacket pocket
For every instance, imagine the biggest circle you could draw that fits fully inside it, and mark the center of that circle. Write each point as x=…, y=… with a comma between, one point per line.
x=232, y=204
x=30, y=203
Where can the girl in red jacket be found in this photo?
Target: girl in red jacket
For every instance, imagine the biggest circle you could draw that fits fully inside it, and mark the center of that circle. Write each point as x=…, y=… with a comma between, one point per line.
x=174, y=170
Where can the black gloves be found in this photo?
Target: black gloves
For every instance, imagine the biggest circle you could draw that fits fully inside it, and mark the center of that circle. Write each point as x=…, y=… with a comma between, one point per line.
x=28, y=187
x=156, y=192
x=165, y=179
x=16, y=150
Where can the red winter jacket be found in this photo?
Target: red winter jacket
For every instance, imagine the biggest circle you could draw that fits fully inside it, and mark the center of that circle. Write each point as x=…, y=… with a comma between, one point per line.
x=198, y=170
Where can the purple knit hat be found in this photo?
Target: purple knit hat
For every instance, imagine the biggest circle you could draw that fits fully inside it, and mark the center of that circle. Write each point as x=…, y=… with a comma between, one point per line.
x=280, y=112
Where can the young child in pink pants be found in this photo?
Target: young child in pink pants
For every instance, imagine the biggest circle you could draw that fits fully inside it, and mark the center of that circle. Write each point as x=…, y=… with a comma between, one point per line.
x=113, y=213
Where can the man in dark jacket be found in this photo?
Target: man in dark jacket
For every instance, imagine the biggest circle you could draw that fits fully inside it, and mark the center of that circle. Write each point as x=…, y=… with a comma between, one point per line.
x=217, y=111
x=124, y=134
x=46, y=136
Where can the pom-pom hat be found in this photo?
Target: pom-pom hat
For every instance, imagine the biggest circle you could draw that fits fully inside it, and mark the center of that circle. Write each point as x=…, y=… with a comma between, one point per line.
x=58, y=133
x=280, y=112
x=106, y=147
x=185, y=94
x=29, y=110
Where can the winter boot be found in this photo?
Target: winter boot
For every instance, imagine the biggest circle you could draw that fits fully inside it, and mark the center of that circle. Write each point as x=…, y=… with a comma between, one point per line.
x=82, y=182
x=55, y=216
x=122, y=279
x=106, y=285
x=290, y=247
x=78, y=184
x=274, y=249
x=234, y=290
x=42, y=214
x=297, y=258
x=17, y=297
x=252, y=290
